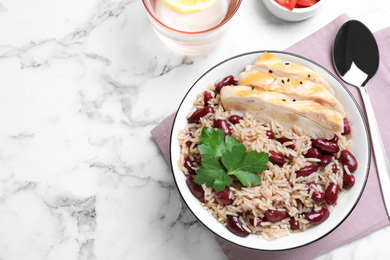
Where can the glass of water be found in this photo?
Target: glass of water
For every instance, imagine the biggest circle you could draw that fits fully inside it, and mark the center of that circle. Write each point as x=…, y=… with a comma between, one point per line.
x=191, y=33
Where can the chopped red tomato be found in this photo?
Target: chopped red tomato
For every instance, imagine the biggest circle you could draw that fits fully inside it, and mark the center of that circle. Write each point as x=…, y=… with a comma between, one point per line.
x=306, y=3
x=289, y=4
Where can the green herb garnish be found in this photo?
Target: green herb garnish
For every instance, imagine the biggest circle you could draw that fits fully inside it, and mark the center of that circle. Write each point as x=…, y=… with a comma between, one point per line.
x=224, y=156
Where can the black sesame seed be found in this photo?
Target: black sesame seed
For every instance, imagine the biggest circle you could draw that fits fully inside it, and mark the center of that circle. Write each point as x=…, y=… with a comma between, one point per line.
x=282, y=81
x=253, y=88
x=294, y=100
x=283, y=99
x=301, y=82
x=287, y=63
x=288, y=80
x=308, y=75
x=270, y=71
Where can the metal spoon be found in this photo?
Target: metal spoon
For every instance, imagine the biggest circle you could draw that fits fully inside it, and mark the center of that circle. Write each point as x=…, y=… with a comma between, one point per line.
x=356, y=58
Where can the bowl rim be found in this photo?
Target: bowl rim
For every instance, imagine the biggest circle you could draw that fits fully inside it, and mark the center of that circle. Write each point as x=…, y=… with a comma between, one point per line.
x=297, y=10
x=172, y=135
x=227, y=18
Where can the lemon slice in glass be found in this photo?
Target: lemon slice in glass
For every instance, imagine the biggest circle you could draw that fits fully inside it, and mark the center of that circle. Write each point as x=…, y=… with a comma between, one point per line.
x=190, y=6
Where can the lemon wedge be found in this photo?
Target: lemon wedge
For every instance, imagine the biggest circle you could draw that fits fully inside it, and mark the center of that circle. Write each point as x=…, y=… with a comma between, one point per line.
x=190, y=6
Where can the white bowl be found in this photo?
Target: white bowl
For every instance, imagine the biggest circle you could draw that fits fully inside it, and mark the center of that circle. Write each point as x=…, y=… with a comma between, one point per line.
x=360, y=148
x=297, y=14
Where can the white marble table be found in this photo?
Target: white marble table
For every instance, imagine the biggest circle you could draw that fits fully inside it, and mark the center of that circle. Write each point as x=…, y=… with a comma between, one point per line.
x=82, y=83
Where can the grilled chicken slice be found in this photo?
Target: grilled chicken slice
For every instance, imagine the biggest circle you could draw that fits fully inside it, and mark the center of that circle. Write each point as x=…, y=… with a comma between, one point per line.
x=270, y=63
x=296, y=89
x=268, y=105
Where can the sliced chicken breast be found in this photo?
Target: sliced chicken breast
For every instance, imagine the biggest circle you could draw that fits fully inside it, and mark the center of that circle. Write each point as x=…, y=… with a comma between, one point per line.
x=270, y=63
x=268, y=105
x=296, y=89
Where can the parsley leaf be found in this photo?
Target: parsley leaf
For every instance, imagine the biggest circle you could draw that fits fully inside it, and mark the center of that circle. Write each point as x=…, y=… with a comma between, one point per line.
x=225, y=156
x=234, y=153
x=251, y=162
x=212, y=143
x=213, y=175
x=248, y=178
x=244, y=170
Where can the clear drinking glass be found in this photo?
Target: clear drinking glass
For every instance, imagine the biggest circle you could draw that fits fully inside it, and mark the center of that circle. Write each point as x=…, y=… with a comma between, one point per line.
x=190, y=33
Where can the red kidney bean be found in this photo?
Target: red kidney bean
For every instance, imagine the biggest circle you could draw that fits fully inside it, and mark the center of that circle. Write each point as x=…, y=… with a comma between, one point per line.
x=235, y=226
x=270, y=134
x=257, y=223
x=224, y=82
x=294, y=223
x=334, y=168
x=325, y=146
x=189, y=166
x=347, y=127
x=317, y=217
x=347, y=159
x=235, y=82
x=332, y=193
x=316, y=195
x=222, y=124
x=313, y=153
x=207, y=96
x=195, y=117
x=275, y=215
x=276, y=157
x=325, y=159
x=224, y=196
x=188, y=143
x=195, y=188
x=348, y=180
x=234, y=119
x=285, y=139
x=306, y=170
x=335, y=139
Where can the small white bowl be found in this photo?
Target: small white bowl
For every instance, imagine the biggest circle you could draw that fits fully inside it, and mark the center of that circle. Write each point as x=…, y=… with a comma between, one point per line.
x=297, y=14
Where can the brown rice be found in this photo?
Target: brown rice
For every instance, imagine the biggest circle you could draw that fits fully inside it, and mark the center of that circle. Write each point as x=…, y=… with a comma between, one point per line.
x=280, y=189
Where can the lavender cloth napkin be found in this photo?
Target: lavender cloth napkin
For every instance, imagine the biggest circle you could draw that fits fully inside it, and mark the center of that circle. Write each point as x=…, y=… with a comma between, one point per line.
x=369, y=215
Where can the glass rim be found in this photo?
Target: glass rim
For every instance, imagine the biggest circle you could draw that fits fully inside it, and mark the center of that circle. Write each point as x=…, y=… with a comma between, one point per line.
x=224, y=21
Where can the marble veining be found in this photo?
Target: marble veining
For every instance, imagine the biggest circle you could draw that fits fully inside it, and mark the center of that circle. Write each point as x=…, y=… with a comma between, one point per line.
x=82, y=83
